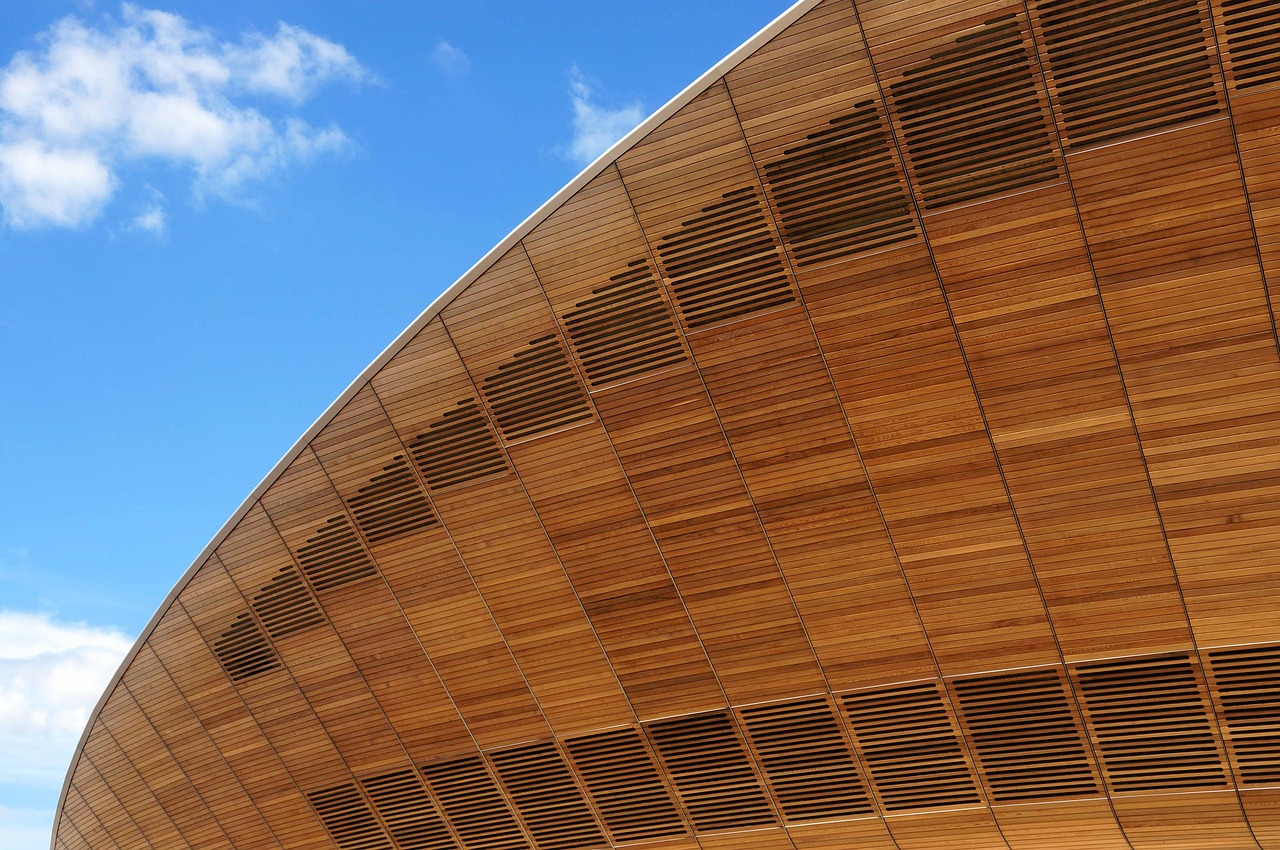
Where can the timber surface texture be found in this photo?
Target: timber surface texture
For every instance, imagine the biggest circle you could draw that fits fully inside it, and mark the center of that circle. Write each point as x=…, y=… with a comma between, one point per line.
x=881, y=453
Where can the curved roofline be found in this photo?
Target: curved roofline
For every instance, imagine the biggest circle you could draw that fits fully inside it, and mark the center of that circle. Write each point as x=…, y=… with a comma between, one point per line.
x=523, y=229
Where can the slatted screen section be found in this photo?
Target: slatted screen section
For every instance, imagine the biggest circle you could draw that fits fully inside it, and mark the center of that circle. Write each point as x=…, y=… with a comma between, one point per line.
x=1125, y=67
x=284, y=606
x=1253, y=41
x=347, y=817
x=408, y=812
x=458, y=448
x=624, y=784
x=392, y=504
x=1247, y=682
x=334, y=556
x=243, y=650
x=474, y=804
x=547, y=797
x=536, y=391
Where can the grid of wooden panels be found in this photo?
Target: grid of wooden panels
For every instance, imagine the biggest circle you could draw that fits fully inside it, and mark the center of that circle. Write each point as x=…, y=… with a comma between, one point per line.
x=881, y=452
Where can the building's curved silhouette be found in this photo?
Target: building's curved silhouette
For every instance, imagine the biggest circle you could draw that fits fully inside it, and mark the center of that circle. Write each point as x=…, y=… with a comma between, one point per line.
x=877, y=449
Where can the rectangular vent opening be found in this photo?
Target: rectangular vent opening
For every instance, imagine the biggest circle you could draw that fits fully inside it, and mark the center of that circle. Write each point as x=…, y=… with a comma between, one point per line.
x=973, y=119
x=474, y=805
x=1151, y=724
x=625, y=328
x=807, y=760
x=625, y=786
x=1028, y=742
x=392, y=504
x=839, y=192
x=348, y=819
x=537, y=390
x=547, y=797
x=285, y=606
x=912, y=748
x=408, y=812
x=1253, y=41
x=458, y=448
x=1127, y=67
x=725, y=263
x=243, y=650
x=1248, y=687
x=711, y=771
x=334, y=556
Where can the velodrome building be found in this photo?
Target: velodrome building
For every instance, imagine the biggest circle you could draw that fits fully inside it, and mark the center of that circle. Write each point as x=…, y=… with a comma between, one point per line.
x=878, y=449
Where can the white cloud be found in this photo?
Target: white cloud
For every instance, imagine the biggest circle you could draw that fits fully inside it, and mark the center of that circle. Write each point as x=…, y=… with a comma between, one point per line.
x=450, y=59
x=152, y=219
x=596, y=128
x=75, y=113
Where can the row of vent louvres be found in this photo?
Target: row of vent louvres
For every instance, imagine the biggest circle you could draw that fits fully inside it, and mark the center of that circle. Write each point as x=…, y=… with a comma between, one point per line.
x=1149, y=727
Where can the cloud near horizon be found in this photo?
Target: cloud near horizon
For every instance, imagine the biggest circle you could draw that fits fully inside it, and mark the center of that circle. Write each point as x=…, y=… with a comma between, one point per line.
x=152, y=87
x=596, y=128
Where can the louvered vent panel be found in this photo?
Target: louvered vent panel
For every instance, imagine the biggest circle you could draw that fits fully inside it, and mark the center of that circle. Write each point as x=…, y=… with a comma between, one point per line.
x=536, y=391
x=334, y=556
x=1126, y=67
x=284, y=606
x=725, y=263
x=807, y=760
x=458, y=448
x=1026, y=736
x=911, y=747
x=1150, y=723
x=408, y=812
x=712, y=772
x=547, y=797
x=347, y=817
x=473, y=804
x=1253, y=41
x=1248, y=687
x=392, y=504
x=625, y=328
x=243, y=650
x=972, y=117
x=839, y=193
x=625, y=787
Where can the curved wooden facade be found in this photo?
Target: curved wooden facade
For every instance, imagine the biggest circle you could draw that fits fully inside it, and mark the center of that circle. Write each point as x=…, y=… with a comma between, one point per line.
x=877, y=450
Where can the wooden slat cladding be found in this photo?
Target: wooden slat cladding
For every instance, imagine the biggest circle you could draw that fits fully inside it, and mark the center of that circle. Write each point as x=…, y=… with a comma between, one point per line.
x=408, y=812
x=535, y=391
x=284, y=606
x=973, y=118
x=725, y=263
x=624, y=784
x=1151, y=725
x=347, y=817
x=243, y=650
x=459, y=448
x=547, y=798
x=392, y=504
x=1247, y=686
x=625, y=328
x=1029, y=743
x=806, y=760
x=711, y=771
x=1124, y=67
x=839, y=192
x=911, y=747
x=334, y=556
x=1252, y=55
x=474, y=804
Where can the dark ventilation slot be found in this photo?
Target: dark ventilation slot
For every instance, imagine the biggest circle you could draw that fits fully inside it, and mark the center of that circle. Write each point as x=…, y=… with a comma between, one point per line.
x=1149, y=720
x=1026, y=736
x=1248, y=688
x=625, y=786
x=243, y=650
x=725, y=263
x=972, y=117
x=535, y=391
x=334, y=556
x=911, y=747
x=458, y=448
x=625, y=328
x=346, y=816
x=1126, y=67
x=474, y=805
x=1253, y=41
x=392, y=504
x=408, y=812
x=711, y=771
x=807, y=761
x=548, y=799
x=284, y=606
x=839, y=193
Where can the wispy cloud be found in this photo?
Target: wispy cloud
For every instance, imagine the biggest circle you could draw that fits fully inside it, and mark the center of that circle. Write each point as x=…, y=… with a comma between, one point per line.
x=595, y=127
x=148, y=87
x=449, y=59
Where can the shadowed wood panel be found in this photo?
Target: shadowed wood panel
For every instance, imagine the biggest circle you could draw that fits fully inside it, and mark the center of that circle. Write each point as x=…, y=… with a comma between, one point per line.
x=623, y=782
x=1256, y=116
x=1251, y=32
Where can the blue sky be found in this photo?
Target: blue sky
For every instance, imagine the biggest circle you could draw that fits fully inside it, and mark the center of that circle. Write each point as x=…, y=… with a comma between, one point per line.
x=212, y=217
